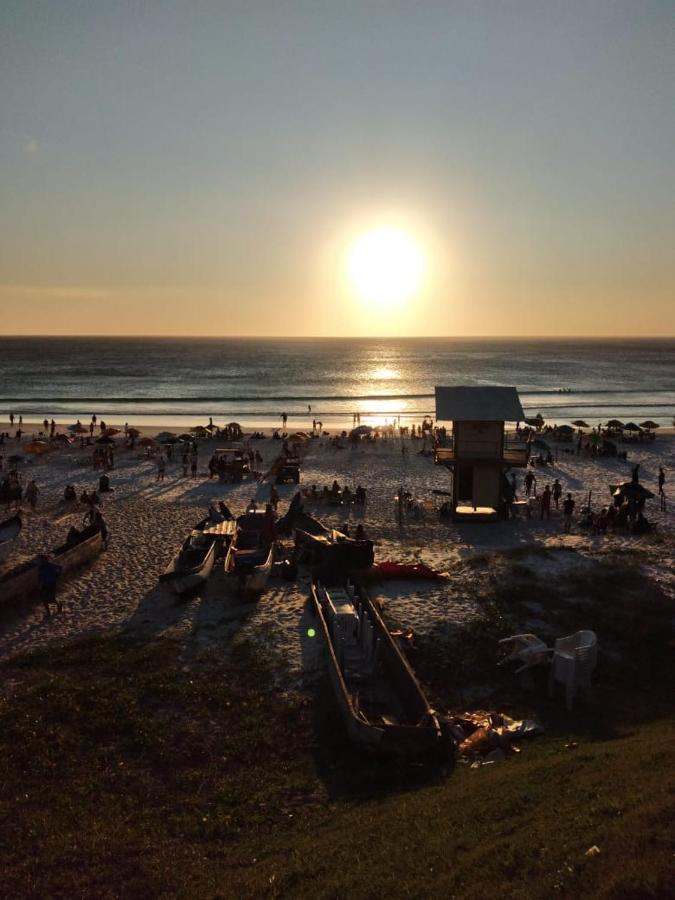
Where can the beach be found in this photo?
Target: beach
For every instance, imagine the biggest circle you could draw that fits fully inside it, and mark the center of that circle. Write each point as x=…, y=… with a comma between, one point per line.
x=148, y=520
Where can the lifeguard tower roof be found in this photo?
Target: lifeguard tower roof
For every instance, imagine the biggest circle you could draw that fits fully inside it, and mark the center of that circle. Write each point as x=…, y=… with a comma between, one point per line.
x=478, y=404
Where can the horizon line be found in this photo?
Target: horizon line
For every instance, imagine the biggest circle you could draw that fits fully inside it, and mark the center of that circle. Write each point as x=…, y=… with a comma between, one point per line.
x=373, y=337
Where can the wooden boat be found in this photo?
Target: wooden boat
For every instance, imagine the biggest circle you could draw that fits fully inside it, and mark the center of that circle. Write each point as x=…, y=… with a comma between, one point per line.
x=330, y=549
x=250, y=556
x=380, y=699
x=79, y=548
x=9, y=531
x=192, y=565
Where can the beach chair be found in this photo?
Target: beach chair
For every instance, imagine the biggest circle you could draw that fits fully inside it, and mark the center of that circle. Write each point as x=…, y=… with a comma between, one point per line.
x=574, y=659
x=526, y=648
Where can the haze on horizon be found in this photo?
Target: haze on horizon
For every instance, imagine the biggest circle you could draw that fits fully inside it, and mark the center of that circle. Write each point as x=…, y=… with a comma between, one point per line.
x=205, y=168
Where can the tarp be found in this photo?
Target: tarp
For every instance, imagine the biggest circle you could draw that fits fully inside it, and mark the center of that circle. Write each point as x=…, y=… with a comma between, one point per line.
x=478, y=404
x=419, y=571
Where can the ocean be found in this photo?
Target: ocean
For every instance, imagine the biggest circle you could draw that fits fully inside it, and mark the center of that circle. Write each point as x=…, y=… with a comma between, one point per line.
x=182, y=382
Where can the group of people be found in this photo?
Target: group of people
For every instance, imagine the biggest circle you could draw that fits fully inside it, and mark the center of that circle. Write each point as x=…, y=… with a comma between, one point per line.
x=336, y=495
x=13, y=493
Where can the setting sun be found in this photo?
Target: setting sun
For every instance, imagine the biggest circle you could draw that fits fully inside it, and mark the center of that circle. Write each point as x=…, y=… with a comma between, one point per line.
x=386, y=266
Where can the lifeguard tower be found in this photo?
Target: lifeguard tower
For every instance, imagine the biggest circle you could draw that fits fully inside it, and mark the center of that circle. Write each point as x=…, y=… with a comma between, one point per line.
x=480, y=450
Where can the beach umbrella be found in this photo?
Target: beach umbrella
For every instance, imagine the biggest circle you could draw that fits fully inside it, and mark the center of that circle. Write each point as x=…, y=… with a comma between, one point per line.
x=614, y=423
x=649, y=424
x=185, y=438
x=61, y=438
x=78, y=428
x=580, y=423
x=631, y=490
x=164, y=436
x=537, y=420
x=104, y=439
x=112, y=431
x=133, y=432
x=631, y=426
x=36, y=447
x=233, y=425
x=146, y=442
x=565, y=429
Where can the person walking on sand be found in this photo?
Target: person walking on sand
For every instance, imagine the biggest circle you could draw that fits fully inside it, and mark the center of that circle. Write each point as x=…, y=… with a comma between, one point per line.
x=568, y=509
x=48, y=576
x=634, y=475
x=284, y=419
x=546, y=503
x=11, y=419
x=186, y=462
x=32, y=494
x=557, y=493
x=662, y=493
x=161, y=467
x=193, y=465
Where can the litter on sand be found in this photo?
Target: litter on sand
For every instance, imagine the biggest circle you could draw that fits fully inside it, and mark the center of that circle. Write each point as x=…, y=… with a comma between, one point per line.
x=486, y=737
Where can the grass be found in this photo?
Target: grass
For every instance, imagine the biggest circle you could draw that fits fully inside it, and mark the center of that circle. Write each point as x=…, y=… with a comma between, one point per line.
x=129, y=771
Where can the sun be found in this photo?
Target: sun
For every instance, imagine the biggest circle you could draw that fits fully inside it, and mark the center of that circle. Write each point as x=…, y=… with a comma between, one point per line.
x=385, y=267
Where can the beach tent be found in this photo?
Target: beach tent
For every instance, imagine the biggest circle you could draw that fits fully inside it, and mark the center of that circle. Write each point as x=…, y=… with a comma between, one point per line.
x=36, y=447
x=631, y=490
x=580, y=423
x=649, y=425
x=631, y=426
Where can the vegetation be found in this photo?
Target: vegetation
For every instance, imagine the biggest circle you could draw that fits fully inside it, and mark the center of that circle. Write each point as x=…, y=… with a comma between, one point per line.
x=129, y=769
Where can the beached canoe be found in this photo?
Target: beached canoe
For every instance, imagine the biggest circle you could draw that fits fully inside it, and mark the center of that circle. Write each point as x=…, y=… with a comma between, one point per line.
x=9, y=532
x=80, y=547
x=192, y=564
x=250, y=556
x=381, y=701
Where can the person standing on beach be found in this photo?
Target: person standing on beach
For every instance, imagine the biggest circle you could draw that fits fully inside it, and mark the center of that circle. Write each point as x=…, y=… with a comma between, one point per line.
x=529, y=479
x=185, y=461
x=662, y=493
x=32, y=494
x=568, y=509
x=193, y=465
x=546, y=503
x=161, y=466
x=557, y=493
x=284, y=419
x=48, y=576
x=11, y=419
x=52, y=428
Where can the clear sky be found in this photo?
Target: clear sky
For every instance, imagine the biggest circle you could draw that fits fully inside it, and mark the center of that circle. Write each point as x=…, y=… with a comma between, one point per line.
x=204, y=167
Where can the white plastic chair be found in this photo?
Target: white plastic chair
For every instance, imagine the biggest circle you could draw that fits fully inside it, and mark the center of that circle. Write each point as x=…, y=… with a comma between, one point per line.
x=528, y=649
x=573, y=661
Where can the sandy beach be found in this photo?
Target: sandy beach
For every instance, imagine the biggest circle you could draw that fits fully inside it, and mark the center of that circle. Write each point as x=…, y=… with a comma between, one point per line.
x=147, y=521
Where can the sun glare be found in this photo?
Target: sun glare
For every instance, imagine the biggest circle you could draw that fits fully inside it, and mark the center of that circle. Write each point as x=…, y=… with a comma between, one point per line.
x=386, y=267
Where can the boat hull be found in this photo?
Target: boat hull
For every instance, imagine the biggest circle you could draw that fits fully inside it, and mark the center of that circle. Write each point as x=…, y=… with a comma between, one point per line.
x=22, y=581
x=411, y=740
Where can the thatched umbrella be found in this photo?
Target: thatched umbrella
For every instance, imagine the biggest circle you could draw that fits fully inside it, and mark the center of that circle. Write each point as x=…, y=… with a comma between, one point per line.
x=614, y=423
x=631, y=426
x=649, y=425
x=631, y=490
x=133, y=432
x=78, y=428
x=580, y=423
x=146, y=442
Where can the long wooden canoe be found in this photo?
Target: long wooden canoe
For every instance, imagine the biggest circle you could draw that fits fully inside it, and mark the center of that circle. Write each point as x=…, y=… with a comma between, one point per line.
x=22, y=580
x=381, y=701
x=192, y=564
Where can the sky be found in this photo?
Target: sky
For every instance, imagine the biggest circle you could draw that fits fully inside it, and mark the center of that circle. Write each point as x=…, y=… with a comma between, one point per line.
x=206, y=167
